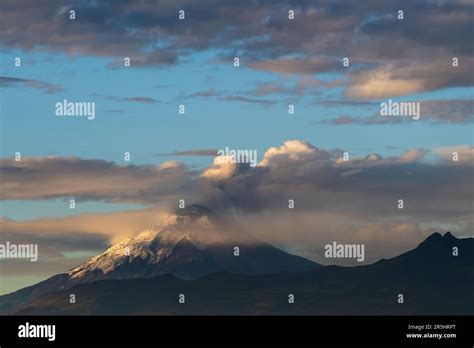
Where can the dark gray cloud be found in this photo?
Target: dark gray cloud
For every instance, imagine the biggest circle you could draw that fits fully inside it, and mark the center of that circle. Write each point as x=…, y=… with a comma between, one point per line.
x=302, y=86
x=259, y=31
x=226, y=96
x=74, y=241
x=449, y=110
x=142, y=100
x=441, y=111
x=210, y=93
x=146, y=100
x=408, y=76
x=162, y=86
x=298, y=66
x=342, y=120
x=242, y=99
x=191, y=153
x=57, y=252
x=89, y=179
x=429, y=181
x=6, y=81
x=115, y=111
x=346, y=102
x=320, y=181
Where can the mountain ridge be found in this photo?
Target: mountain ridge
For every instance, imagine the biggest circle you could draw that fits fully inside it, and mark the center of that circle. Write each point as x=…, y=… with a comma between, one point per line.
x=441, y=284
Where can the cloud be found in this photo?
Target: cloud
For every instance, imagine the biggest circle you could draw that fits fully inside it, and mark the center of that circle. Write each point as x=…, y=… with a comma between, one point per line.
x=241, y=99
x=465, y=153
x=89, y=179
x=341, y=120
x=436, y=111
x=382, y=84
x=141, y=100
x=85, y=231
x=456, y=111
x=389, y=57
x=158, y=57
x=226, y=96
x=145, y=100
x=267, y=88
x=297, y=66
x=224, y=167
x=404, y=78
x=291, y=150
x=311, y=231
x=412, y=155
x=115, y=111
x=303, y=85
x=159, y=86
x=355, y=200
x=64, y=243
x=49, y=88
x=321, y=181
x=191, y=153
x=345, y=102
x=203, y=94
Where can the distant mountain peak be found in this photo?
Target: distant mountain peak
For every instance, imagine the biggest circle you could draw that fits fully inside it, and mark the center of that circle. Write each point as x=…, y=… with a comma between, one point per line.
x=437, y=245
x=448, y=235
x=437, y=237
x=433, y=237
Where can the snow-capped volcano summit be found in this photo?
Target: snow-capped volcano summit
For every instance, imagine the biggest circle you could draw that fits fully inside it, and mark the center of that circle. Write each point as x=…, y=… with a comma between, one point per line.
x=190, y=243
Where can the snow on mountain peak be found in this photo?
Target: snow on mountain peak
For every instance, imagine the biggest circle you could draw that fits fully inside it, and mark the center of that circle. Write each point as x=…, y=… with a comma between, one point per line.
x=153, y=245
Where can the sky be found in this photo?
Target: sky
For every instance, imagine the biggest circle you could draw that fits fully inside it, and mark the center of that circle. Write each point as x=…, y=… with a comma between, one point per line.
x=191, y=62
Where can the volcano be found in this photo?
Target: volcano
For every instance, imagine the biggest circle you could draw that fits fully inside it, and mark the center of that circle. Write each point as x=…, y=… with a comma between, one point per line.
x=191, y=243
